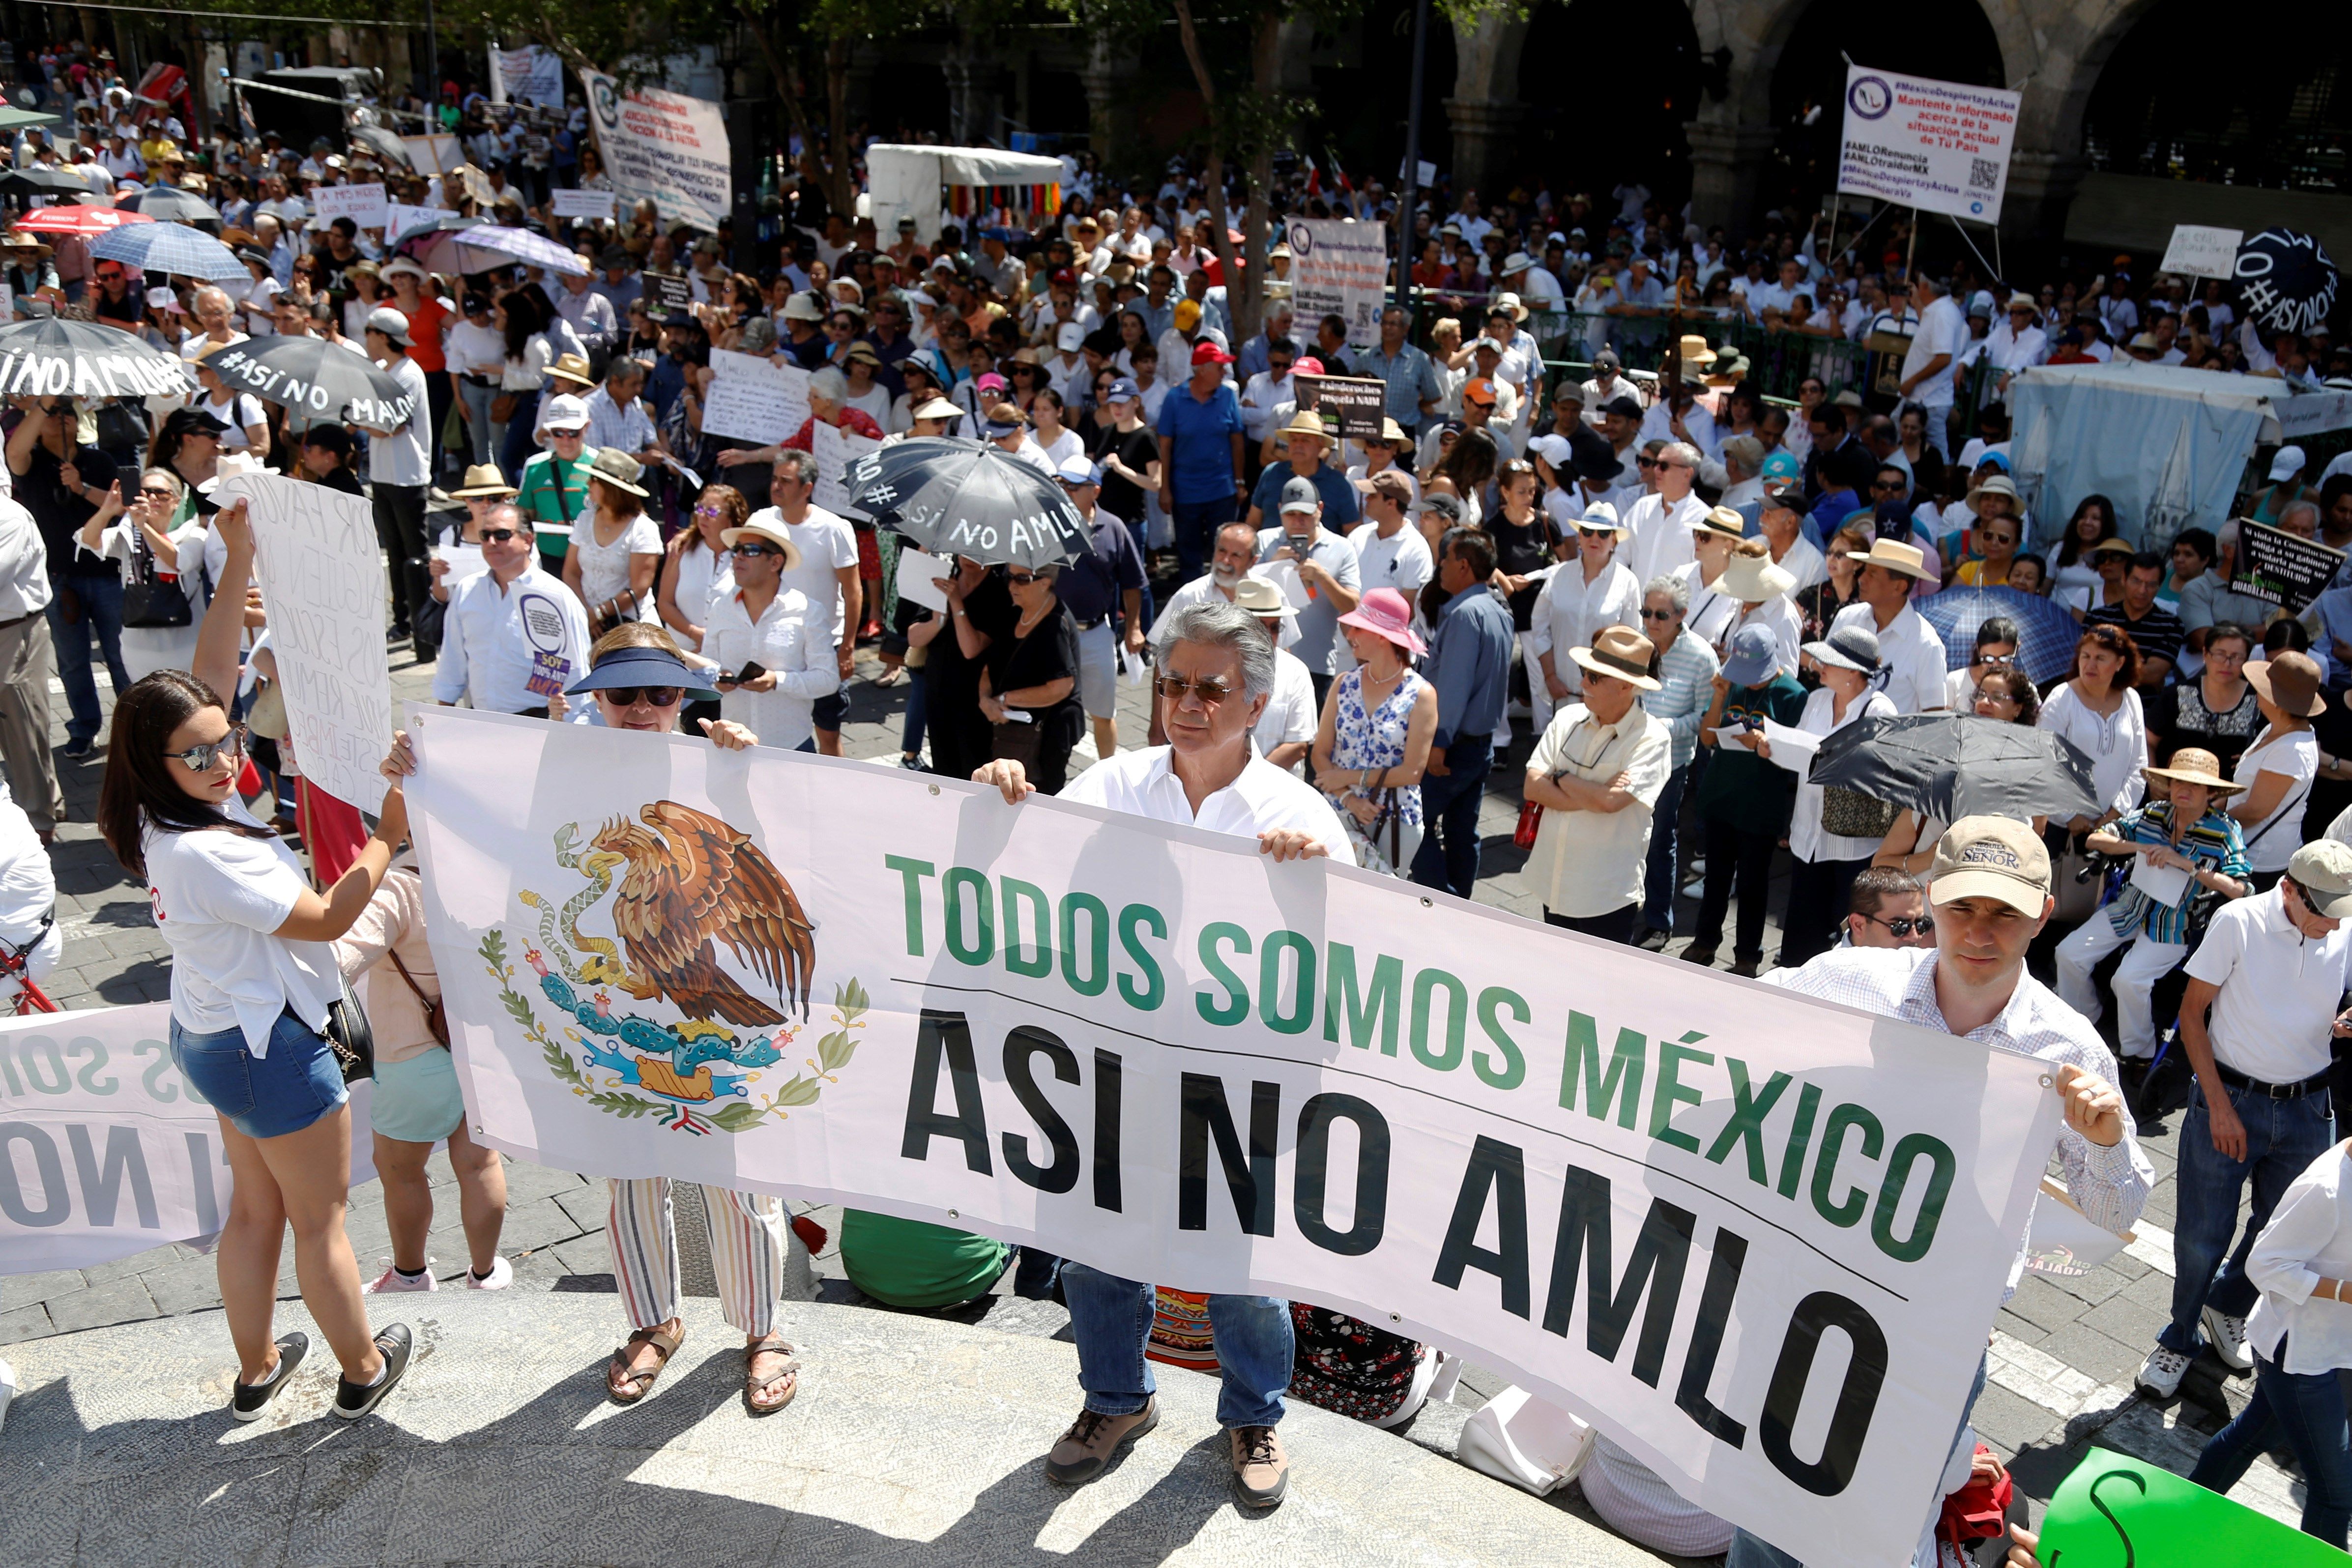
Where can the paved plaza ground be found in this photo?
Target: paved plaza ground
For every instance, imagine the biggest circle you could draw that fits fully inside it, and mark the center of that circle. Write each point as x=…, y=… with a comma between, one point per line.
x=2063, y=1352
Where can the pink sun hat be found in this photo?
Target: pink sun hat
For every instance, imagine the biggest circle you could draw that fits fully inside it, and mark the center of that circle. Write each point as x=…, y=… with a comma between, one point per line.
x=1385, y=613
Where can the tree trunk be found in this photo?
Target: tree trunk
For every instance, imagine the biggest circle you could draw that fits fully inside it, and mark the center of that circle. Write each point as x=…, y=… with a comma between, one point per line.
x=1245, y=295
x=788, y=90
x=1220, y=240
x=840, y=190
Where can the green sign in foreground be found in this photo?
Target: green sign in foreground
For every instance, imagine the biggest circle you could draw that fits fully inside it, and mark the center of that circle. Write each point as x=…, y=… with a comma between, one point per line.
x=2115, y=1511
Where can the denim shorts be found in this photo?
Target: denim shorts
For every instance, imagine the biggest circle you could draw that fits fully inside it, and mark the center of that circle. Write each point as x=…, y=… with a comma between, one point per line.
x=268, y=1097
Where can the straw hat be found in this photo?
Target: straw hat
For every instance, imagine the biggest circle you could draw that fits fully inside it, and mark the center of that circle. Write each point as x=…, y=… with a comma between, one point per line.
x=1260, y=597
x=571, y=368
x=1600, y=515
x=1620, y=652
x=2191, y=764
x=1722, y=519
x=1898, y=557
x=2291, y=682
x=618, y=469
x=771, y=532
x=1306, y=422
x=936, y=408
x=483, y=480
x=1753, y=580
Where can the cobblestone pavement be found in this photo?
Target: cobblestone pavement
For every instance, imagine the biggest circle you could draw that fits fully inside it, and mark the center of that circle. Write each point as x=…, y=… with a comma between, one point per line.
x=2062, y=1356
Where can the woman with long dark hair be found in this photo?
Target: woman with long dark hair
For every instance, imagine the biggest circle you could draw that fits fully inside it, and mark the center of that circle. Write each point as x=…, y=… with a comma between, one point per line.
x=2074, y=579
x=523, y=377
x=2098, y=709
x=253, y=979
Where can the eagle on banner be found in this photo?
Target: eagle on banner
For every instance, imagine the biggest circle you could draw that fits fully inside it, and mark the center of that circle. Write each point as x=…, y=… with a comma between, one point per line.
x=695, y=881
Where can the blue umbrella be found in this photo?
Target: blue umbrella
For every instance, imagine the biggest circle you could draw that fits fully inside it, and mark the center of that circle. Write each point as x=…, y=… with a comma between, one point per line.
x=2047, y=633
x=170, y=248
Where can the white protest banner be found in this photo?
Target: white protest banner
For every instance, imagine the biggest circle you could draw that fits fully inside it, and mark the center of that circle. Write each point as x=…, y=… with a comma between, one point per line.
x=435, y=154
x=834, y=449
x=752, y=398
x=398, y=219
x=1339, y=269
x=1756, y=1239
x=370, y=206
x=578, y=204
x=104, y=1151
x=2197, y=250
x=1939, y=146
x=322, y=580
x=667, y=146
x=533, y=74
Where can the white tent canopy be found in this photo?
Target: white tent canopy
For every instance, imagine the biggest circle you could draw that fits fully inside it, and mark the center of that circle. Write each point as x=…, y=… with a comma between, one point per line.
x=2167, y=446
x=903, y=180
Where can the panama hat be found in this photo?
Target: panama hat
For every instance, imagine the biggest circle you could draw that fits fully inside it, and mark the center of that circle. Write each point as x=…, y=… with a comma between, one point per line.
x=1620, y=652
x=2192, y=764
x=772, y=533
x=483, y=480
x=573, y=368
x=1260, y=597
x=1895, y=556
x=618, y=469
x=1306, y=422
x=1752, y=580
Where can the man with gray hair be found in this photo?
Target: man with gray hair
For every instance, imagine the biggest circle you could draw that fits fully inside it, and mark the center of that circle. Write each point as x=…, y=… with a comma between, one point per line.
x=216, y=315
x=1658, y=526
x=1214, y=672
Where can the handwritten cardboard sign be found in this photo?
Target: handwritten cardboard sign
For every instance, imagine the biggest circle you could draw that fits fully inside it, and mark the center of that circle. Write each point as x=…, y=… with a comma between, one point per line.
x=835, y=450
x=752, y=399
x=370, y=206
x=322, y=580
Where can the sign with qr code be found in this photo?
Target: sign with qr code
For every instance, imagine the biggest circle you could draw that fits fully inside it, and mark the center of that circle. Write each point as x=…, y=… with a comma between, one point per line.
x=1938, y=146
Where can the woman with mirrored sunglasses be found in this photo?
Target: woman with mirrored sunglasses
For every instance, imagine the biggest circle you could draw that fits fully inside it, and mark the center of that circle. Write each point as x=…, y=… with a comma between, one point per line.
x=252, y=981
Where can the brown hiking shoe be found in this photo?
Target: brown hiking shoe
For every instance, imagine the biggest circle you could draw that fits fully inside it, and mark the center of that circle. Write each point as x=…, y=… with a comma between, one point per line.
x=1261, y=1469
x=1094, y=1440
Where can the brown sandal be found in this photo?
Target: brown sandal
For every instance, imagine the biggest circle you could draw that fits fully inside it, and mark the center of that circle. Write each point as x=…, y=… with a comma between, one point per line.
x=759, y=1397
x=623, y=1386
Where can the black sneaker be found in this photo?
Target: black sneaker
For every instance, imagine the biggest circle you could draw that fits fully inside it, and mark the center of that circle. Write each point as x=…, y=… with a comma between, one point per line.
x=354, y=1400
x=252, y=1398
x=77, y=749
x=1653, y=940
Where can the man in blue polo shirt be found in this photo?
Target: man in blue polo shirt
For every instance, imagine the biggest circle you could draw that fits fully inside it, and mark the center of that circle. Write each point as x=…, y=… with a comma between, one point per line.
x=1308, y=444
x=1414, y=390
x=1199, y=430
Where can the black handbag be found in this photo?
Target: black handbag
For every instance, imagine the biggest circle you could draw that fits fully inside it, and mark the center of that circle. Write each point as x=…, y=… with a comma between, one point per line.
x=350, y=1038
x=150, y=598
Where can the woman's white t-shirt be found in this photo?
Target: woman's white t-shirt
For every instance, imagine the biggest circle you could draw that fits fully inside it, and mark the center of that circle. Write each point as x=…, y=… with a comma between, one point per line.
x=700, y=574
x=217, y=897
x=240, y=411
x=2271, y=842
x=604, y=568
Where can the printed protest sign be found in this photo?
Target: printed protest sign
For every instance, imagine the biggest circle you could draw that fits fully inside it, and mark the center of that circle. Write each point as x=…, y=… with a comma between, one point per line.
x=322, y=579
x=834, y=449
x=752, y=399
x=1757, y=1239
x=532, y=74
x=435, y=154
x=1356, y=407
x=104, y=1150
x=2282, y=568
x=2199, y=251
x=667, y=292
x=1340, y=268
x=579, y=203
x=2116, y=1512
x=666, y=146
x=398, y=219
x=370, y=206
x=1939, y=146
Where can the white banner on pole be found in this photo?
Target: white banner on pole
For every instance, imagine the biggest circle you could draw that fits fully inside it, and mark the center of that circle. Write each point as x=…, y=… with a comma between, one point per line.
x=2199, y=251
x=104, y=1150
x=1756, y=1239
x=322, y=580
x=399, y=219
x=752, y=398
x=533, y=74
x=1939, y=146
x=574, y=203
x=834, y=449
x=1338, y=268
x=435, y=154
x=667, y=146
x=368, y=206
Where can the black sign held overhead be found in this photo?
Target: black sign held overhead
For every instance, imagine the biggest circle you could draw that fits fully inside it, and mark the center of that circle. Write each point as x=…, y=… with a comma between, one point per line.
x=1356, y=407
x=667, y=293
x=2282, y=568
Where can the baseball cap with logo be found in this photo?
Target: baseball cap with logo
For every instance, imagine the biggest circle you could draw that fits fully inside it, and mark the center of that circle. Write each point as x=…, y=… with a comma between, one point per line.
x=2323, y=870
x=1992, y=858
x=1783, y=465
x=1300, y=495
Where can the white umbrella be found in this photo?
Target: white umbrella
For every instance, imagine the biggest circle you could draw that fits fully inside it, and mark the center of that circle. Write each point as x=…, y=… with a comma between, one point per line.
x=484, y=246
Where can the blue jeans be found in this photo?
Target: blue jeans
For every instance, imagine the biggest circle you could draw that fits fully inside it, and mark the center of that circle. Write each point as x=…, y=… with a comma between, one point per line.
x=521, y=439
x=1196, y=524
x=1661, y=878
x=2282, y=1137
x=1754, y=1551
x=2307, y=1409
x=101, y=596
x=1448, y=857
x=1110, y=1317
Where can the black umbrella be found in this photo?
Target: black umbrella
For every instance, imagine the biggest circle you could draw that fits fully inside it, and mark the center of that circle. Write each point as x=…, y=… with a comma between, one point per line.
x=40, y=182
x=954, y=497
x=169, y=204
x=50, y=357
x=2285, y=280
x=1950, y=765
x=313, y=377
x=384, y=144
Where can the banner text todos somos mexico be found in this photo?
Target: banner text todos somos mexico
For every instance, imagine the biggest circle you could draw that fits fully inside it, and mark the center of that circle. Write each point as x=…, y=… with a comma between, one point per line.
x=1758, y=1239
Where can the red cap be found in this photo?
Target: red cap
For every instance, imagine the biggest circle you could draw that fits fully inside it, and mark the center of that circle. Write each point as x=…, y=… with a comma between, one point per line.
x=1063, y=275
x=1307, y=364
x=1206, y=352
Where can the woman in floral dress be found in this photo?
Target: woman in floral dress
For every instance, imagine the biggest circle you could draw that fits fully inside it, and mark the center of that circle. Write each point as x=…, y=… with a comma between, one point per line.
x=1372, y=744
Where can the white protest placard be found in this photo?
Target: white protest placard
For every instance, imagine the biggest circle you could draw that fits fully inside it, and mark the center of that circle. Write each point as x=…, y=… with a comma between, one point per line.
x=322, y=582
x=574, y=203
x=532, y=74
x=465, y=561
x=667, y=146
x=752, y=398
x=834, y=449
x=398, y=219
x=1758, y=1239
x=1339, y=269
x=104, y=1151
x=435, y=154
x=2197, y=250
x=919, y=576
x=369, y=206
x=1939, y=146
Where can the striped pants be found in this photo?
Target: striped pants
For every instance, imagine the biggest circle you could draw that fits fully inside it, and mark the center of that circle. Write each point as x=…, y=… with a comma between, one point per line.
x=747, y=1252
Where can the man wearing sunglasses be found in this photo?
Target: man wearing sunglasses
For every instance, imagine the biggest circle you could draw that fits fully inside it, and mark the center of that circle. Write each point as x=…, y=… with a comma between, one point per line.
x=1888, y=908
x=116, y=302
x=514, y=636
x=763, y=622
x=1215, y=675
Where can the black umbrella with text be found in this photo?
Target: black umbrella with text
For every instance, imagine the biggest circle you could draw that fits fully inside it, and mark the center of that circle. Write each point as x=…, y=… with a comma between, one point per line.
x=51, y=356
x=2285, y=280
x=948, y=496
x=315, y=376
x=1951, y=765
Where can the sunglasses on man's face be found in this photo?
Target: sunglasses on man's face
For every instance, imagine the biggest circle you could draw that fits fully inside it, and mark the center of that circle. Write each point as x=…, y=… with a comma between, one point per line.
x=1647, y=463
x=500, y=535
x=753, y=551
x=651, y=696
x=1211, y=692
x=1904, y=926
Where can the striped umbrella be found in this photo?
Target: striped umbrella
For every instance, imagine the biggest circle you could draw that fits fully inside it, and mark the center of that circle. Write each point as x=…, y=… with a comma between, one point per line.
x=470, y=245
x=170, y=248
